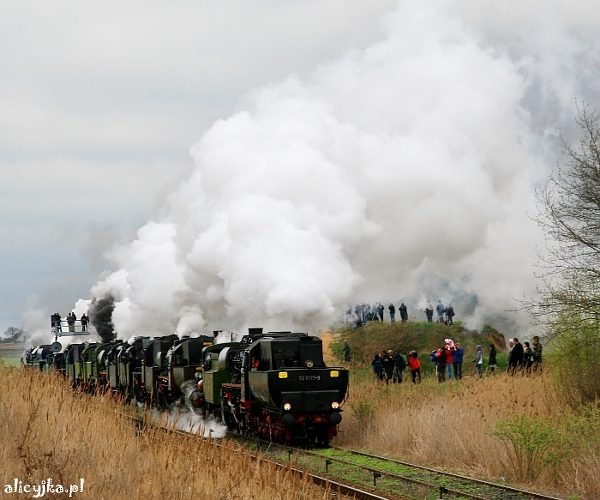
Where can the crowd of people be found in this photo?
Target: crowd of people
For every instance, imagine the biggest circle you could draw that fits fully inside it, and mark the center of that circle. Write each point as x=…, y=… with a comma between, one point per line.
x=448, y=359
x=389, y=366
x=56, y=322
x=364, y=313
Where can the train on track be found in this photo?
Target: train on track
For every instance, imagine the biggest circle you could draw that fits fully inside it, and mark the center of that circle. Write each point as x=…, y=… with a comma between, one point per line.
x=271, y=385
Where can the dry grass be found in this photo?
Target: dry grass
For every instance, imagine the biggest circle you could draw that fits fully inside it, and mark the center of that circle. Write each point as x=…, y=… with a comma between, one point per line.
x=451, y=426
x=48, y=432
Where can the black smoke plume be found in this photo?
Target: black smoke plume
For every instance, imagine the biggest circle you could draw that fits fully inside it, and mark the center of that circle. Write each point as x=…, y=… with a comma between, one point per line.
x=101, y=317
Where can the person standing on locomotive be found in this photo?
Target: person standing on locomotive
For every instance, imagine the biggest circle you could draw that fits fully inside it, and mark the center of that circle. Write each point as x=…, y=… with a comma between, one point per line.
x=55, y=322
x=84, y=322
x=71, y=318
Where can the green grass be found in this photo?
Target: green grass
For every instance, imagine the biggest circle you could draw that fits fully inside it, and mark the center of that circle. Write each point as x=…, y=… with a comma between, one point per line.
x=11, y=361
x=420, y=336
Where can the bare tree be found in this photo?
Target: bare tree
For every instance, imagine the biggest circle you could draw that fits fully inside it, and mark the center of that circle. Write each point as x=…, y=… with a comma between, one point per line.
x=11, y=334
x=569, y=214
x=568, y=302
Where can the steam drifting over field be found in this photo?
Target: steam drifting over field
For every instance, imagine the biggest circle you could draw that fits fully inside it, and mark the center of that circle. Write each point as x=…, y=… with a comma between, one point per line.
x=401, y=172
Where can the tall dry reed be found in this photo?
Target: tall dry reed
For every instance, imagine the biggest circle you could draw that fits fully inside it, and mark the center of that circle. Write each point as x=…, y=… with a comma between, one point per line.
x=453, y=426
x=46, y=431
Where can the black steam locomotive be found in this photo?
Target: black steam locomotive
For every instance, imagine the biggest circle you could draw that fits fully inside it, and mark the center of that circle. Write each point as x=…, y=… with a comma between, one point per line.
x=274, y=385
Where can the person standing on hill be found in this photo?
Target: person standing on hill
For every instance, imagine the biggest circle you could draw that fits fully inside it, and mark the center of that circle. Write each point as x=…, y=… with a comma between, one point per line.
x=479, y=361
x=429, y=312
x=403, y=313
x=449, y=351
x=392, y=310
x=433, y=359
x=415, y=366
x=515, y=356
x=347, y=351
x=399, y=366
x=377, y=366
x=380, y=310
x=493, y=362
x=527, y=356
x=440, y=357
x=449, y=314
x=457, y=360
x=388, y=365
x=440, y=311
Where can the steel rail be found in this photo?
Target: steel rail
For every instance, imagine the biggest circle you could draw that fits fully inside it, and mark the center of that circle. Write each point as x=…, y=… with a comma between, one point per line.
x=532, y=494
x=320, y=481
x=381, y=472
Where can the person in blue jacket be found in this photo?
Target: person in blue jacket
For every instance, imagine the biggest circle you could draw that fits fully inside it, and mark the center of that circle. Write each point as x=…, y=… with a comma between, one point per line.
x=457, y=360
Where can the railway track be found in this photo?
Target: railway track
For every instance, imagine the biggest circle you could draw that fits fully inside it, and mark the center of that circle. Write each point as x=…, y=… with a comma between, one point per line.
x=395, y=477
x=337, y=489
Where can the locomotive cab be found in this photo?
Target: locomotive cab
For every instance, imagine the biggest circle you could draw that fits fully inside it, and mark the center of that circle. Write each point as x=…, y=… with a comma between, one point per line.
x=291, y=374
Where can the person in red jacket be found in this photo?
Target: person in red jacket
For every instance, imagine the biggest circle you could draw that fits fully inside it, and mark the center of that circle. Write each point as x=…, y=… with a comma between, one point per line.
x=450, y=361
x=415, y=366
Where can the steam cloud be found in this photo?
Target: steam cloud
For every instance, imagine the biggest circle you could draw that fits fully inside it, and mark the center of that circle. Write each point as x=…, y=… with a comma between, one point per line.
x=401, y=172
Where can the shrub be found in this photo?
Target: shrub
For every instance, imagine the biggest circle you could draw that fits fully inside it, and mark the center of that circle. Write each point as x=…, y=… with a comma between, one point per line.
x=532, y=444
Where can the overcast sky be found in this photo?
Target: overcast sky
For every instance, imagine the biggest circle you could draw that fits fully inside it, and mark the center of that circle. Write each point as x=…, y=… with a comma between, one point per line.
x=143, y=125
x=101, y=102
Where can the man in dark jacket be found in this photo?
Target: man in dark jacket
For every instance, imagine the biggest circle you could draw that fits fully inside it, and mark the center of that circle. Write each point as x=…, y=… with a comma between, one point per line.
x=449, y=314
x=388, y=365
x=347, y=351
x=399, y=366
x=515, y=355
x=403, y=313
x=392, y=309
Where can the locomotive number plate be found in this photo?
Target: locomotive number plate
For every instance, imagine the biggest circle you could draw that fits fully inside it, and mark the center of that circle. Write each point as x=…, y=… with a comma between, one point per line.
x=309, y=377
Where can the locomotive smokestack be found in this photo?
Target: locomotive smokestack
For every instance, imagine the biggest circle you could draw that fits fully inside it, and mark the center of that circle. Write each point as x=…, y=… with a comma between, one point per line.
x=254, y=331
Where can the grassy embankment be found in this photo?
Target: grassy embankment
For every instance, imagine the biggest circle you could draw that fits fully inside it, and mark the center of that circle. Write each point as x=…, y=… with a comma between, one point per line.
x=515, y=427
x=48, y=431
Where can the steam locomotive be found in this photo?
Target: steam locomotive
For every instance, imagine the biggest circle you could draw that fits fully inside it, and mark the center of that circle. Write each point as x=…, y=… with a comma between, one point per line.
x=273, y=385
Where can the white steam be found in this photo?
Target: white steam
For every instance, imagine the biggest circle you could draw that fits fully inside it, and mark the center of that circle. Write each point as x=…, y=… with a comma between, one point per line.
x=401, y=172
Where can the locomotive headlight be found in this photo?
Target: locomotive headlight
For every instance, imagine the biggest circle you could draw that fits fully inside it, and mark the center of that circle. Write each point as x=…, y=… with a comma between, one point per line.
x=334, y=373
x=309, y=364
x=287, y=406
x=282, y=374
x=335, y=405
